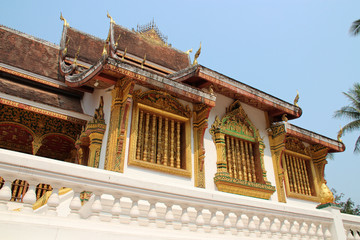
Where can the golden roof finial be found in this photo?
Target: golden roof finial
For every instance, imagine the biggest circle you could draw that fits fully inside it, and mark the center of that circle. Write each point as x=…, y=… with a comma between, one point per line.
x=143, y=62
x=77, y=55
x=296, y=99
x=66, y=24
x=340, y=133
x=104, y=50
x=111, y=19
x=197, y=54
x=123, y=56
x=188, y=51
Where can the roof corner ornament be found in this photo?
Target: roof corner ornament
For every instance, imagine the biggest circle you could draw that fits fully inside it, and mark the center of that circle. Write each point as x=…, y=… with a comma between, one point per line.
x=143, y=61
x=188, y=51
x=117, y=41
x=66, y=24
x=64, y=52
x=211, y=90
x=296, y=99
x=197, y=54
x=111, y=19
x=284, y=118
x=340, y=133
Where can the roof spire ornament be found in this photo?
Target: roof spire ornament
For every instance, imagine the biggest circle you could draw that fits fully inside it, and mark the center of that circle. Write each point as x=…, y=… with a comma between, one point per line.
x=188, y=51
x=296, y=99
x=124, y=54
x=284, y=118
x=340, y=133
x=66, y=24
x=197, y=54
x=111, y=19
x=77, y=55
x=143, y=62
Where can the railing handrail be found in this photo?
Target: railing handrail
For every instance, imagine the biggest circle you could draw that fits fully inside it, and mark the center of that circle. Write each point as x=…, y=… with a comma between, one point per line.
x=71, y=175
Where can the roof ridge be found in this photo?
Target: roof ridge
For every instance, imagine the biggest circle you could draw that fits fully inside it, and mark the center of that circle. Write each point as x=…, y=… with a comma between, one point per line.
x=87, y=34
x=135, y=32
x=22, y=34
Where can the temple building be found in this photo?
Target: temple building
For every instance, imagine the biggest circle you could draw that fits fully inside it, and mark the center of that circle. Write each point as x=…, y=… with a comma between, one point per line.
x=126, y=137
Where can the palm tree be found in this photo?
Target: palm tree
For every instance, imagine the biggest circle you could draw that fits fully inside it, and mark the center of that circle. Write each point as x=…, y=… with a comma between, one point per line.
x=355, y=28
x=351, y=112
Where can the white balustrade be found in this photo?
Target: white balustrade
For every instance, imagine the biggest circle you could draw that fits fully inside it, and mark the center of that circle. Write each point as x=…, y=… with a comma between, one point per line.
x=120, y=201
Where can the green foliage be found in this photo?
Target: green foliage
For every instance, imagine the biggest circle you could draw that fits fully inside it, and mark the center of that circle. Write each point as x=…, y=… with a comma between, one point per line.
x=355, y=28
x=347, y=206
x=352, y=113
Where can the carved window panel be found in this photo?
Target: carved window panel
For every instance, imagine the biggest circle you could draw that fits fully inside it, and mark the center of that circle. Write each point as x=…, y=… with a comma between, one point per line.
x=160, y=139
x=240, y=157
x=299, y=171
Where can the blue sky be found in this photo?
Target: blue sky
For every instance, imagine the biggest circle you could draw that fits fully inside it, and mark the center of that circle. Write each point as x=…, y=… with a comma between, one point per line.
x=276, y=46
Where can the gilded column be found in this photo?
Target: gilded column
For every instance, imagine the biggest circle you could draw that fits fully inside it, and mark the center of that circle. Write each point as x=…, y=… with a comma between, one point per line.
x=115, y=148
x=200, y=123
x=277, y=145
x=219, y=139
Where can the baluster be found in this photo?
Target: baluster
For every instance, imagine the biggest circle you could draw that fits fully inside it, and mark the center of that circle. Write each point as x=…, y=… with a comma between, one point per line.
x=263, y=226
x=296, y=175
x=134, y=211
x=294, y=229
x=152, y=213
x=350, y=235
x=213, y=220
x=116, y=210
x=252, y=161
x=356, y=233
x=178, y=145
x=327, y=233
x=192, y=215
x=146, y=140
x=5, y=194
x=125, y=204
x=248, y=165
x=319, y=232
x=75, y=204
x=301, y=175
x=166, y=140
x=185, y=219
x=238, y=160
x=29, y=198
x=206, y=214
x=243, y=160
x=153, y=142
x=220, y=217
x=107, y=203
x=303, y=229
x=307, y=184
x=177, y=211
x=288, y=170
x=229, y=156
x=240, y=225
x=161, y=212
x=96, y=207
x=227, y=222
x=53, y=202
x=199, y=221
x=312, y=230
x=284, y=228
x=275, y=228
x=169, y=216
x=144, y=207
x=158, y=157
x=172, y=143
x=140, y=134
x=254, y=226
x=233, y=159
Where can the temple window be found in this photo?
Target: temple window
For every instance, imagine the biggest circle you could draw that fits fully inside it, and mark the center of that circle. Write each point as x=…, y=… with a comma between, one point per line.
x=160, y=133
x=299, y=171
x=240, y=152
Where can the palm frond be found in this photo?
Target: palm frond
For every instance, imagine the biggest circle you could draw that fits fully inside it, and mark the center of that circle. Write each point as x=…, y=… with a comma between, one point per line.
x=347, y=112
x=355, y=28
x=351, y=126
x=357, y=146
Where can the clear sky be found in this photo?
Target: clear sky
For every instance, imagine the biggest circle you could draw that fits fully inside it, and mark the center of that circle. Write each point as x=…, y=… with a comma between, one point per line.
x=277, y=46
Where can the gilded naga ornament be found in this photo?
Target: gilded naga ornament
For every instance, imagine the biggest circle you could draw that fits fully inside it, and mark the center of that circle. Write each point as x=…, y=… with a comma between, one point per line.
x=66, y=24
x=340, y=133
x=326, y=196
x=188, y=51
x=296, y=99
x=111, y=19
x=284, y=118
x=197, y=54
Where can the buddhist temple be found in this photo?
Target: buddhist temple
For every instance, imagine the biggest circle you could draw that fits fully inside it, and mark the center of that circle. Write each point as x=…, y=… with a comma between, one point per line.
x=125, y=136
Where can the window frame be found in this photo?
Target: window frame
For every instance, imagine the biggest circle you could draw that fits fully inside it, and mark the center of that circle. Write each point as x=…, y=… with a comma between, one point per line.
x=140, y=104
